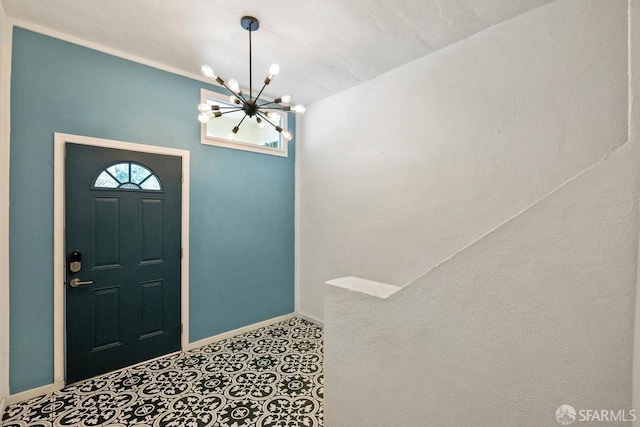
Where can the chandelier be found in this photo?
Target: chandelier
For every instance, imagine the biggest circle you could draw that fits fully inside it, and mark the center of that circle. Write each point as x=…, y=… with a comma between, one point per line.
x=254, y=108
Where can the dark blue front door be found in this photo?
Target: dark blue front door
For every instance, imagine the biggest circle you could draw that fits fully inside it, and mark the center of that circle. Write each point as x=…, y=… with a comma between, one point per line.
x=122, y=225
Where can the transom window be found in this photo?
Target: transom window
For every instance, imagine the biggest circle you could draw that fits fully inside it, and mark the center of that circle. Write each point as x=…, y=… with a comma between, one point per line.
x=128, y=176
x=251, y=136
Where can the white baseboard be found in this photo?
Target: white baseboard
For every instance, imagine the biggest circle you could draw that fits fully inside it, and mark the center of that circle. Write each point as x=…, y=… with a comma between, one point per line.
x=39, y=391
x=34, y=392
x=310, y=319
x=57, y=386
x=239, y=331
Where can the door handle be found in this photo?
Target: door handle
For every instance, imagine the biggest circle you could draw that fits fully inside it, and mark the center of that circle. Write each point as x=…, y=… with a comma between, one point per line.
x=76, y=282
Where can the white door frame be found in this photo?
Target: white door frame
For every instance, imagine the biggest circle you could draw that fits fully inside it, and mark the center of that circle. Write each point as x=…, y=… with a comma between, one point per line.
x=60, y=139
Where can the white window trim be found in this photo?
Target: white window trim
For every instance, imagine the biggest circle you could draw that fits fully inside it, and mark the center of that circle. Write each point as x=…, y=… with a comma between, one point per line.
x=238, y=145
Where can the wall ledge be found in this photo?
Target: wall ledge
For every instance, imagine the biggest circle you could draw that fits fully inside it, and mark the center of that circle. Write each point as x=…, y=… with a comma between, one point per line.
x=369, y=287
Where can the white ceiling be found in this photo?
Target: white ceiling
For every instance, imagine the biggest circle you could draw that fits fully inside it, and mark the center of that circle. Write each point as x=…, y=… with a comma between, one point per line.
x=323, y=47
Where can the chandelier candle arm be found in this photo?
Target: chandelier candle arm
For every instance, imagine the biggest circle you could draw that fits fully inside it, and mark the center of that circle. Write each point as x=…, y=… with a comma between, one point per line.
x=287, y=135
x=297, y=109
x=266, y=119
x=205, y=108
x=232, y=85
x=263, y=86
x=235, y=130
x=230, y=111
x=284, y=99
x=273, y=70
x=208, y=72
x=204, y=117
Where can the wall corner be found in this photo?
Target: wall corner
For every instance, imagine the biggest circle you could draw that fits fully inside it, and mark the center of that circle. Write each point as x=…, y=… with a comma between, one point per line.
x=5, y=80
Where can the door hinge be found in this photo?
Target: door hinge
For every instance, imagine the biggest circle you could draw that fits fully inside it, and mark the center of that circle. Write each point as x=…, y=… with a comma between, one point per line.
x=181, y=253
x=181, y=328
x=181, y=176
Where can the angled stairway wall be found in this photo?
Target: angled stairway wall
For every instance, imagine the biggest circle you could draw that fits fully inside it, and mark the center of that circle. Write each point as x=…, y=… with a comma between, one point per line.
x=533, y=315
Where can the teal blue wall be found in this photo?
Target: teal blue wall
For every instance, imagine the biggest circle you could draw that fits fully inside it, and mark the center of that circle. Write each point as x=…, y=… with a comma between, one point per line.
x=242, y=203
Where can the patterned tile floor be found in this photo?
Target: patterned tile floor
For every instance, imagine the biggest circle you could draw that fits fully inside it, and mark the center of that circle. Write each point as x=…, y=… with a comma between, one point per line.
x=270, y=377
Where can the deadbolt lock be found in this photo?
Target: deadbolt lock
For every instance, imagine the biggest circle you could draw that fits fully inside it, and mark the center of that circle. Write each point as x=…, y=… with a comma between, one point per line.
x=74, y=261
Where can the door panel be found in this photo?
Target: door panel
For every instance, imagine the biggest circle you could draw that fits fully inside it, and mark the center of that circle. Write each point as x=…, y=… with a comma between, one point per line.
x=105, y=227
x=151, y=230
x=151, y=309
x=105, y=322
x=129, y=238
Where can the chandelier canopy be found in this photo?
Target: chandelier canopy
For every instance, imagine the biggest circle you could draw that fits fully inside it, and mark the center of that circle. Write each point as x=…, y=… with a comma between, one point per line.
x=254, y=108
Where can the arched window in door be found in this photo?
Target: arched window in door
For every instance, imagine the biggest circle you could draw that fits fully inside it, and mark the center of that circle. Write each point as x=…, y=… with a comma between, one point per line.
x=127, y=176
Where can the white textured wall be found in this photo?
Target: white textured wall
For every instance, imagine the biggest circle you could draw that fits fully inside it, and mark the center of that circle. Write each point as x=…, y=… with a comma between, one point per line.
x=536, y=314
x=401, y=172
x=634, y=135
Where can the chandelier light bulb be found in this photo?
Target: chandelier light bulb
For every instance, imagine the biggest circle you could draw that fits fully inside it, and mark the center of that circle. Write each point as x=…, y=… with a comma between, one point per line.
x=207, y=71
x=204, y=117
x=274, y=116
x=298, y=109
x=234, y=99
x=203, y=108
x=285, y=99
x=260, y=122
x=286, y=135
x=233, y=85
x=273, y=70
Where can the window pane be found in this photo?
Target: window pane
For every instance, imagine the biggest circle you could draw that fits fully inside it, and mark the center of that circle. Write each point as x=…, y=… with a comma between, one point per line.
x=131, y=186
x=138, y=173
x=105, y=181
x=130, y=176
x=120, y=171
x=151, y=184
